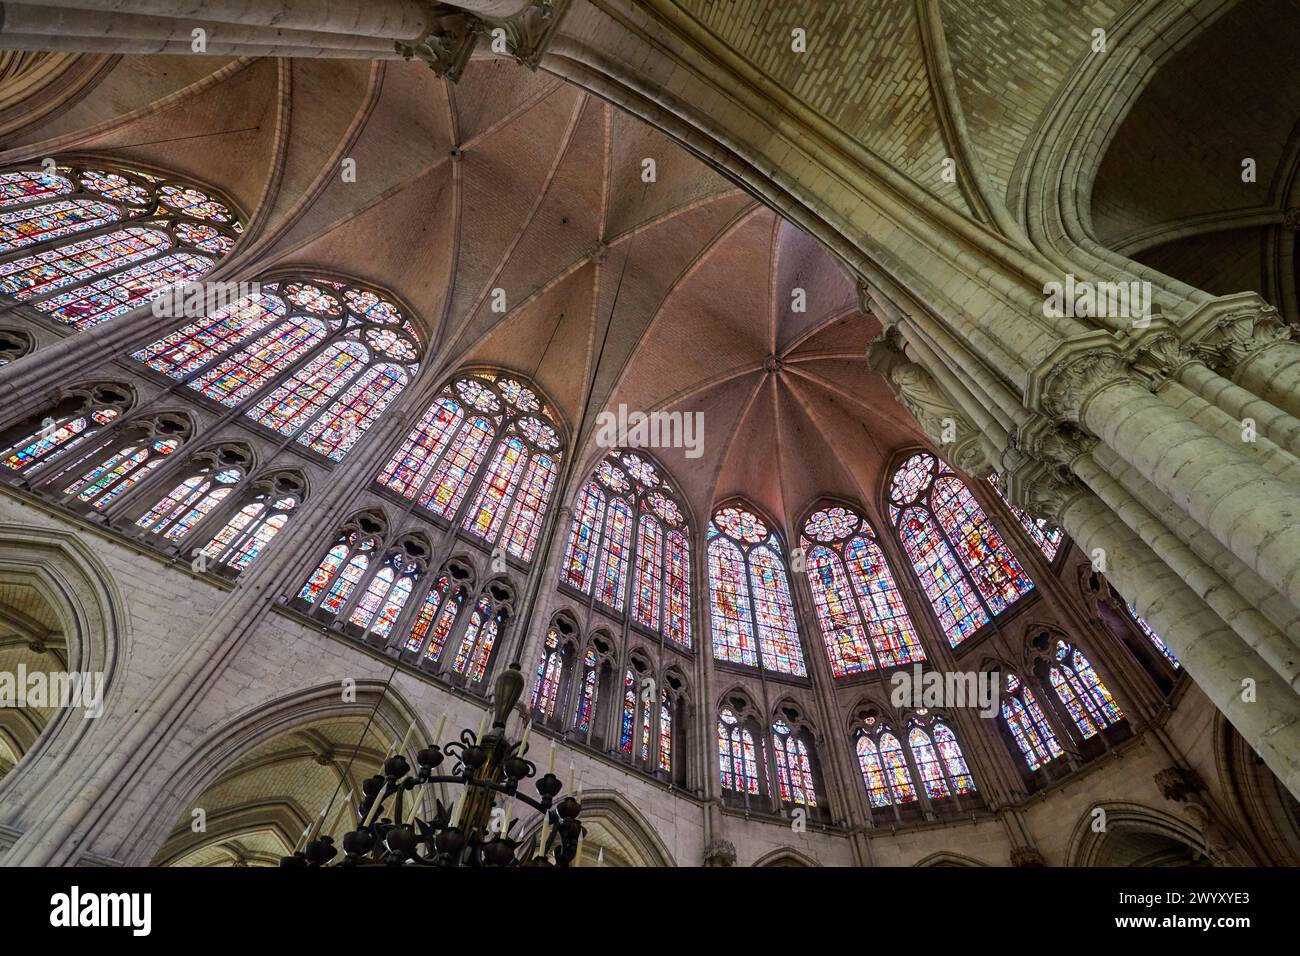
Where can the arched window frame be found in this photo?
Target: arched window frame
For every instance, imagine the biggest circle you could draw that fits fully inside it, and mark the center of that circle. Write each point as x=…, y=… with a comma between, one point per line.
x=750, y=535
x=594, y=698
x=912, y=485
x=1081, y=693
x=309, y=358
x=74, y=423
x=191, y=495
x=164, y=233
x=741, y=744
x=1030, y=733
x=555, y=675
x=104, y=474
x=879, y=623
x=458, y=445
x=889, y=783
x=644, y=592
x=795, y=767
x=954, y=781
x=248, y=524
x=475, y=642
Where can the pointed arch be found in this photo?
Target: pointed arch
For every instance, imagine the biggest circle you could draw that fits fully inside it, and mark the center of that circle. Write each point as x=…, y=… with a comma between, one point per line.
x=84, y=242
x=751, y=607
x=965, y=569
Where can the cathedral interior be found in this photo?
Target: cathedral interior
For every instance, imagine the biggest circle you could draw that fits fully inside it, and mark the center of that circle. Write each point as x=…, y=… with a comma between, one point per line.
x=833, y=432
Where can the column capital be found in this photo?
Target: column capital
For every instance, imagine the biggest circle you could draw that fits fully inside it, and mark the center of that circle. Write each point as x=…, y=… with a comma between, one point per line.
x=939, y=418
x=1075, y=372
x=1241, y=334
x=1026, y=856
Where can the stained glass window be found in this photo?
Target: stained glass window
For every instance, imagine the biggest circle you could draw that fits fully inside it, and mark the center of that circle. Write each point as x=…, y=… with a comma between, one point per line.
x=590, y=688
x=81, y=272
x=546, y=692
x=384, y=597
x=884, y=769
x=733, y=625
x=737, y=758
x=248, y=534
x=298, y=358
x=627, y=523
x=55, y=437
x=968, y=573
x=927, y=763
x=749, y=595
x=189, y=503
x=793, y=766
x=959, y=774
x=860, y=611
x=475, y=649
x=614, y=554
x=1028, y=724
x=1047, y=538
x=120, y=470
x=627, y=723
x=476, y=419
x=1085, y=697
x=446, y=619
x=665, y=732
x=579, y=569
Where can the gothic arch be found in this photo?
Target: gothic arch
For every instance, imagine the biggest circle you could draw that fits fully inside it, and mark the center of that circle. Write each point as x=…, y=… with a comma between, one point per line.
x=1134, y=835
x=785, y=856
x=224, y=747
x=1265, y=812
x=945, y=858
x=93, y=625
x=615, y=824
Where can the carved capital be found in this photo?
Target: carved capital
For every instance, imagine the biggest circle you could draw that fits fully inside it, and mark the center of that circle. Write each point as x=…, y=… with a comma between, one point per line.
x=1059, y=447
x=1026, y=856
x=527, y=34
x=448, y=44
x=1239, y=335
x=1162, y=356
x=1179, y=783
x=720, y=853
x=1291, y=219
x=1069, y=386
x=921, y=395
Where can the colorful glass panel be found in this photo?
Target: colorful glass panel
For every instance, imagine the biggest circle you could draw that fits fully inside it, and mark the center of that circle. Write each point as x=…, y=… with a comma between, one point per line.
x=778, y=637
x=733, y=629
x=617, y=546
x=648, y=584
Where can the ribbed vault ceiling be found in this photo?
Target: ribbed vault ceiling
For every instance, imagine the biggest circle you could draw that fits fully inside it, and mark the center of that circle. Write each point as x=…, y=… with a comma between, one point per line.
x=683, y=287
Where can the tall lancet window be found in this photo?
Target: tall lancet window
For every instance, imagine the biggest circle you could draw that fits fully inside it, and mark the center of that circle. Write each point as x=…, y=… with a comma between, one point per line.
x=860, y=611
x=629, y=546
x=83, y=243
x=966, y=570
x=261, y=516
x=315, y=359
x=486, y=453
x=67, y=430
x=883, y=765
x=1028, y=724
x=1048, y=538
x=750, y=606
x=1081, y=691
